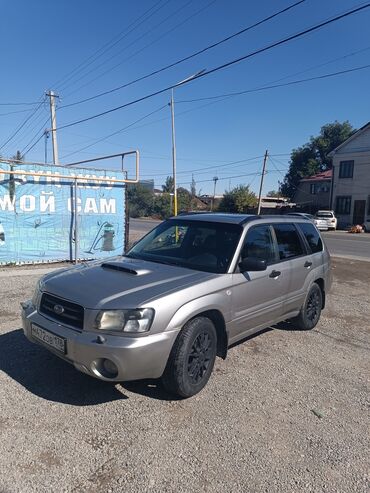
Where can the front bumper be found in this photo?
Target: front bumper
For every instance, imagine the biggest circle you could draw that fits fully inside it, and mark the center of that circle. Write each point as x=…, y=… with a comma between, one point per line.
x=135, y=357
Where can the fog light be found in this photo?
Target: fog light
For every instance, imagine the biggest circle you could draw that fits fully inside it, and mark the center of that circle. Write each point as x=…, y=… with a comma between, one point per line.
x=110, y=368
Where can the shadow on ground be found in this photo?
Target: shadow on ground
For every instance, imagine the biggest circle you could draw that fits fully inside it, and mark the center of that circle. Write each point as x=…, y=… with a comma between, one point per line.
x=49, y=377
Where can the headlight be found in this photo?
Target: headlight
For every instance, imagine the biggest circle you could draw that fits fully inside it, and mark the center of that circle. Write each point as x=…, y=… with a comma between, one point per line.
x=37, y=293
x=138, y=320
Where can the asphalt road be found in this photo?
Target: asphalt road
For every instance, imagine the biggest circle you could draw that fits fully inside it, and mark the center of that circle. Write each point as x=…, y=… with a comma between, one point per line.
x=340, y=243
x=346, y=245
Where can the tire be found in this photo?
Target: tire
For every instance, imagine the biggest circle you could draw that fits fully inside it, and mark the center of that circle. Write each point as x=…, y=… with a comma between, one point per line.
x=192, y=357
x=309, y=315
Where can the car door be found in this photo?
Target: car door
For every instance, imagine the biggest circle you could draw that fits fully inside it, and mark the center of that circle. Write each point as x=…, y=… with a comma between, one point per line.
x=257, y=297
x=294, y=253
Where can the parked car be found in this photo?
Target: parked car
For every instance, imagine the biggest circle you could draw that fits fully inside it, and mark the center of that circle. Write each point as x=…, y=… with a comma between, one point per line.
x=329, y=217
x=366, y=225
x=167, y=309
x=321, y=224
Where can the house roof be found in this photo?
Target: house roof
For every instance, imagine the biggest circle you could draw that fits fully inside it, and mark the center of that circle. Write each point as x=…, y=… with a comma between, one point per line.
x=354, y=136
x=322, y=176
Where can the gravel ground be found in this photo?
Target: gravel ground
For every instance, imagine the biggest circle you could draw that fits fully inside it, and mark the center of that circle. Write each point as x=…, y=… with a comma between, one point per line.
x=286, y=412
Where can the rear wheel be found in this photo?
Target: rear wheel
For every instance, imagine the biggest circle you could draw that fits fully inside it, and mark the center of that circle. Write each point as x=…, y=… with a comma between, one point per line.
x=192, y=358
x=310, y=312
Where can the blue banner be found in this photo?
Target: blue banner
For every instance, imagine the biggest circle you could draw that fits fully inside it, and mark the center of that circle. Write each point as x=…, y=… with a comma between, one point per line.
x=37, y=222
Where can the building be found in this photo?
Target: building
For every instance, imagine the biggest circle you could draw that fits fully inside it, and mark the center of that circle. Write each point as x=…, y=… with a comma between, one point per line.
x=350, y=197
x=313, y=192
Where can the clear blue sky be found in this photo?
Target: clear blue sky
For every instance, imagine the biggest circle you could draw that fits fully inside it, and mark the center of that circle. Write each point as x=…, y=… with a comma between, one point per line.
x=43, y=41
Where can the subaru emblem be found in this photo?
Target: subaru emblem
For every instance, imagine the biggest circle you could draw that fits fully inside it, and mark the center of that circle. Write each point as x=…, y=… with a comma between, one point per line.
x=59, y=309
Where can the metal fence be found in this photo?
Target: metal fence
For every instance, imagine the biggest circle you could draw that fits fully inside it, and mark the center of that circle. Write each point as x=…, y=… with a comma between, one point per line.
x=54, y=213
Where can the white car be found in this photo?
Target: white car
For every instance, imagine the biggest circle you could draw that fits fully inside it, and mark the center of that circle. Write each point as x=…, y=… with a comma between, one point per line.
x=329, y=217
x=321, y=224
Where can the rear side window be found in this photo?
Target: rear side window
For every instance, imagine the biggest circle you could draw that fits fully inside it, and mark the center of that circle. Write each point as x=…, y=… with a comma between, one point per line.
x=289, y=243
x=312, y=236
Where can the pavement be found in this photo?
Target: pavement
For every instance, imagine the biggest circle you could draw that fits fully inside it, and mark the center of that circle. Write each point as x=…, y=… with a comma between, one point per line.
x=286, y=412
x=346, y=245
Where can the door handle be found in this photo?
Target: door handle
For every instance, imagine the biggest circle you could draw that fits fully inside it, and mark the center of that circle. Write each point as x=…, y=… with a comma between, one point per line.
x=307, y=264
x=275, y=273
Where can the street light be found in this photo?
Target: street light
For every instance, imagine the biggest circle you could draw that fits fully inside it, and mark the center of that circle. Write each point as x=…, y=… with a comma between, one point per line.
x=172, y=104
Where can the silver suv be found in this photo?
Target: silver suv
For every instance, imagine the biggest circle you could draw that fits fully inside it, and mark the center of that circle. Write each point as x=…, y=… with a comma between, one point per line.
x=181, y=296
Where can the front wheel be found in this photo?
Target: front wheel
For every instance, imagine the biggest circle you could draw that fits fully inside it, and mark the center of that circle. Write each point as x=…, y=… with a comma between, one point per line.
x=192, y=358
x=309, y=315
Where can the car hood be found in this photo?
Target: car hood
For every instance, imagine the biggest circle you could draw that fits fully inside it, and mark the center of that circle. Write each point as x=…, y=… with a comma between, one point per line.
x=120, y=282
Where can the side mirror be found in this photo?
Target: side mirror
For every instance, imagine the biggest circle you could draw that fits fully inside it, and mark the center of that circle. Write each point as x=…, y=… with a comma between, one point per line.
x=252, y=265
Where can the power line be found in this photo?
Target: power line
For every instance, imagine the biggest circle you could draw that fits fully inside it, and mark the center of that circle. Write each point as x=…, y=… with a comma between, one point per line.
x=110, y=44
x=25, y=148
x=284, y=84
x=33, y=145
x=211, y=167
x=20, y=104
x=22, y=125
x=182, y=7
x=203, y=50
x=221, y=67
x=116, y=132
x=221, y=179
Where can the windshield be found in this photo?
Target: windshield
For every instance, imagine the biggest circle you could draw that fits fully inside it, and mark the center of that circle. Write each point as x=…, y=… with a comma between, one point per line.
x=324, y=214
x=198, y=245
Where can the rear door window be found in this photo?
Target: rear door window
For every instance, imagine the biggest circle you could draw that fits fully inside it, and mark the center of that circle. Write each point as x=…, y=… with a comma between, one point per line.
x=312, y=236
x=288, y=240
x=259, y=244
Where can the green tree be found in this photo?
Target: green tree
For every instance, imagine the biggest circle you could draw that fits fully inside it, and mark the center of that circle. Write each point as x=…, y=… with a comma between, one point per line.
x=184, y=199
x=168, y=186
x=312, y=157
x=140, y=200
x=162, y=206
x=193, y=188
x=239, y=199
x=273, y=193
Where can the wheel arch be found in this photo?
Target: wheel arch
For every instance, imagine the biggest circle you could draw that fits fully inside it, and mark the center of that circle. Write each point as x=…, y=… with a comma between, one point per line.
x=321, y=283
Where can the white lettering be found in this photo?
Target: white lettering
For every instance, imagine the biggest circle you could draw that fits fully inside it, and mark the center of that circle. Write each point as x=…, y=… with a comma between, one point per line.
x=27, y=203
x=47, y=203
x=90, y=206
x=108, y=206
x=6, y=204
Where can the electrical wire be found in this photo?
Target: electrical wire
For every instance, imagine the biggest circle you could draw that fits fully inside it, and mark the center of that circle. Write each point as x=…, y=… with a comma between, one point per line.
x=20, y=104
x=25, y=149
x=110, y=44
x=284, y=84
x=221, y=67
x=146, y=33
x=116, y=132
x=19, y=128
x=222, y=179
x=189, y=57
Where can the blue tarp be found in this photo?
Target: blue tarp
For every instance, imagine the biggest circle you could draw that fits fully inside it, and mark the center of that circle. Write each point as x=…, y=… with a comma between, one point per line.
x=37, y=214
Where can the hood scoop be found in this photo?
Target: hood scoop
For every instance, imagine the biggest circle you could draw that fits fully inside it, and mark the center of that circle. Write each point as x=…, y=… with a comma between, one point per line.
x=119, y=267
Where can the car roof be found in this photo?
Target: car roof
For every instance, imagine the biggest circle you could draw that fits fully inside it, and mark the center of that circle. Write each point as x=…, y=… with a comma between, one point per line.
x=231, y=218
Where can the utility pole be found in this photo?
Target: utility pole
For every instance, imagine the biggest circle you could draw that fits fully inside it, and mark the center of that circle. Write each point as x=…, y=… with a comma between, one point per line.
x=261, y=184
x=215, y=178
x=173, y=155
x=52, y=97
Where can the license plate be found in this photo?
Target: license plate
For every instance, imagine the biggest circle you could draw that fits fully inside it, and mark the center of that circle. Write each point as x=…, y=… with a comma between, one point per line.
x=48, y=338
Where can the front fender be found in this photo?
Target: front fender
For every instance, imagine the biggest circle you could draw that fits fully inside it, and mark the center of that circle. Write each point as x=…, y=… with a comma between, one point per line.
x=220, y=301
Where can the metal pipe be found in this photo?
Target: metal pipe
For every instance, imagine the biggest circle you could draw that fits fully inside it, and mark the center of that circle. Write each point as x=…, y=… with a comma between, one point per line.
x=76, y=221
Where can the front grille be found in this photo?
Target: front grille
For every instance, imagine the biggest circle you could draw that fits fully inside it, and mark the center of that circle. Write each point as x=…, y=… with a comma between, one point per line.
x=72, y=314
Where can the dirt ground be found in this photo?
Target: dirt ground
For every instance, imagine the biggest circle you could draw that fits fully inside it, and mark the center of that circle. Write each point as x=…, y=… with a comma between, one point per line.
x=287, y=411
